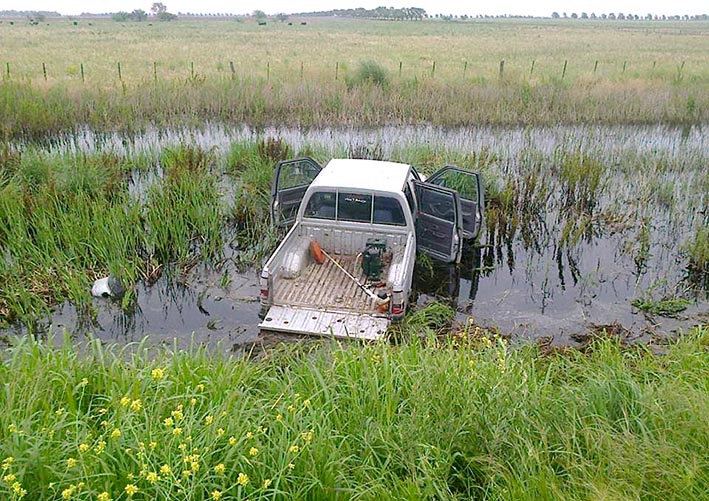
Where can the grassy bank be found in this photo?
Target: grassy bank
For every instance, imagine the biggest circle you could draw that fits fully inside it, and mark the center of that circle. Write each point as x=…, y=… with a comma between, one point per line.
x=466, y=419
x=62, y=76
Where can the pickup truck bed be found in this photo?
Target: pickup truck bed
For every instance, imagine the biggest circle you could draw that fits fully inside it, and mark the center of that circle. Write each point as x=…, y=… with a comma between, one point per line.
x=325, y=286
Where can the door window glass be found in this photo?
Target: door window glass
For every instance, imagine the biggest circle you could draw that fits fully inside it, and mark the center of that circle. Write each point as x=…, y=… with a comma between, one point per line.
x=387, y=210
x=321, y=205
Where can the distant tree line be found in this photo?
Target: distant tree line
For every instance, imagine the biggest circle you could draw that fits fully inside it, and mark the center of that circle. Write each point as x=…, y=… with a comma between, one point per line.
x=390, y=13
x=159, y=10
x=630, y=17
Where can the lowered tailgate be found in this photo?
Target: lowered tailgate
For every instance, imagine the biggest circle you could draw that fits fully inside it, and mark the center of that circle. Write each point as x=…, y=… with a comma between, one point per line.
x=324, y=323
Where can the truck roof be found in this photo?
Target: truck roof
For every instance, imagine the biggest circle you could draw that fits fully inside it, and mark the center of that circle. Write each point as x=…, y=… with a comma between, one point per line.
x=367, y=175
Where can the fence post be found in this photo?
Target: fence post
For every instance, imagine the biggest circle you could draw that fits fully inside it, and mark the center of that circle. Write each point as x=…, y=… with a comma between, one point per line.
x=233, y=71
x=625, y=64
x=120, y=77
x=337, y=69
x=268, y=71
x=81, y=65
x=531, y=70
x=563, y=72
x=399, y=69
x=433, y=69
x=155, y=72
x=44, y=71
x=502, y=68
x=653, y=64
x=192, y=70
x=595, y=67
x=465, y=68
x=301, y=70
x=7, y=67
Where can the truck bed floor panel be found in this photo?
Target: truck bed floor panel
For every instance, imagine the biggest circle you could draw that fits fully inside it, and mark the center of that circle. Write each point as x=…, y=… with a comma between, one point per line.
x=325, y=286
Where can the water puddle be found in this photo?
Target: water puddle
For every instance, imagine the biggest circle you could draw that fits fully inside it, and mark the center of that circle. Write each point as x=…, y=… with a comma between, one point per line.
x=553, y=271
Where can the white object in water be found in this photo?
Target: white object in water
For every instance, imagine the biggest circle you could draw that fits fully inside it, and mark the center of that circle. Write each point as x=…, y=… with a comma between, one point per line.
x=101, y=288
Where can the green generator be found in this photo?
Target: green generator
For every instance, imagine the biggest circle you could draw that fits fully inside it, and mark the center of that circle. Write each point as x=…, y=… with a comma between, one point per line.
x=372, y=258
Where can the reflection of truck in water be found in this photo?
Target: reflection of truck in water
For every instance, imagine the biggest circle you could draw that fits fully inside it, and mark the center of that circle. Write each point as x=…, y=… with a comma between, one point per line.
x=346, y=265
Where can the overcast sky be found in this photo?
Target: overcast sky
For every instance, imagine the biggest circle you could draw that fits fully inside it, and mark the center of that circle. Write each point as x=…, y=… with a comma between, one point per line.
x=520, y=7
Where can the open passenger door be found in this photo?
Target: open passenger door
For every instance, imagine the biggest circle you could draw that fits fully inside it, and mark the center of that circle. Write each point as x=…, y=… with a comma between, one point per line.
x=472, y=195
x=290, y=182
x=439, y=230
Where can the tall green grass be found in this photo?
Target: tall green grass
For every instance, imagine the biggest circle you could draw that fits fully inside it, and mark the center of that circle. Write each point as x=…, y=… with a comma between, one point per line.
x=467, y=419
x=36, y=113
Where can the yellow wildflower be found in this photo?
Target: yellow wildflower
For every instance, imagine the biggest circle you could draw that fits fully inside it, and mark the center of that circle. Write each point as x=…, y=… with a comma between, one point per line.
x=165, y=469
x=68, y=492
x=242, y=479
x=177, y=413
x=200, y=387
x=194, y=466
x=249, y=435
x=100, y=447
x=8, y=479
x=60, y=411
x=279, y=418
x=153, y=445
x=158, y=374
x=232, y=441
x=307, y=436
x=130, y=490
x=84, y=382
x=83, y=447
x=306, y=403
x=186, y=473
x=177, y=431
x=130, y=476
x=208, y=420
x=267, y=483
x=7, y=462
x=219, y=469
x=19, y=491
x=291, y=466
x=71, y=462
x=220, y=432
x=125, y=401
x=293, y=448
x=261, y=429
x=152, y=477
x=291, y=408
x=193, y=402
x=136, y=405
x=253, y=451
x=182, y=447
x=216, y=495
x=115, y=433
x=104, y=496
x=12, y=428
x=168, y=421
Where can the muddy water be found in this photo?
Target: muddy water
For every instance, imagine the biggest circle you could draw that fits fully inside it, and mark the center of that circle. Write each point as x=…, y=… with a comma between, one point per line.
x=525, y=283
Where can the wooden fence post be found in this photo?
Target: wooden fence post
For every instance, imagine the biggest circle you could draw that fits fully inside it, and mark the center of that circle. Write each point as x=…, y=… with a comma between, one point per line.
x=268, y=71
x=301, y=70
x=625, y=64
x=233, y=71
x=399, y=69
x=563, y=72
x=44, y=71
x=595, y=67
x=465, y=68
x=120, y=77
x=155, y=72
x=337, y=69
x=7, y=68
x=502, y=68
x=81, y=65
x=433, y=69
x=531, y=70
x=192, y=70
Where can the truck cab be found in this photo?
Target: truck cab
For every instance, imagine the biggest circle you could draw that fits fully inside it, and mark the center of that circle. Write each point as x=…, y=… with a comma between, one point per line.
x=361, y=213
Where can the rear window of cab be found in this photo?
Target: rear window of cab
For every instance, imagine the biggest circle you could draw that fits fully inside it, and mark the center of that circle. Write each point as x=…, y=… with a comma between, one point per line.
x=355, y=207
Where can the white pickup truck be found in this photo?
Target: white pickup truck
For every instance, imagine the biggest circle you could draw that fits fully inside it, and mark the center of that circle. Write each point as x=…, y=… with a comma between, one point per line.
x=367, y=219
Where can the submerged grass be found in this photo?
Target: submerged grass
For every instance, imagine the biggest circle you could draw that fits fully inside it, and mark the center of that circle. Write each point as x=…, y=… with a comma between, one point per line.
x=420, y=420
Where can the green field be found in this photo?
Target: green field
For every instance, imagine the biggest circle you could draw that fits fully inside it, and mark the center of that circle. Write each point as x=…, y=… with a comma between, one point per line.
x=445, y=73
x=442, y=411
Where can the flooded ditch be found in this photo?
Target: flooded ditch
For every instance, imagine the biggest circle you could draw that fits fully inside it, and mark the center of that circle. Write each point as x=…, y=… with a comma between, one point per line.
x=582, y=222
